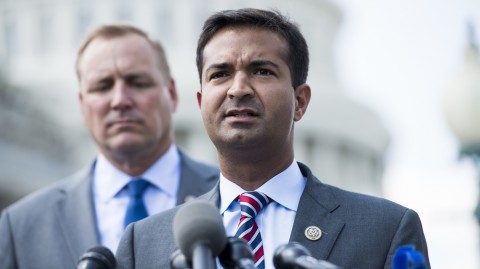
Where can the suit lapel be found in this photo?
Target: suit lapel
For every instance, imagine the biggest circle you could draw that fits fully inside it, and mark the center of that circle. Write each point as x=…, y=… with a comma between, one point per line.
x=213, y=195
x=193, y=181
x=315, y=209
x=76, y=215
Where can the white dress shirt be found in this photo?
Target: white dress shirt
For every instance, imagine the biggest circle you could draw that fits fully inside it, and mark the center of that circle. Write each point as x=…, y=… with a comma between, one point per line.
x=111, y=197
x=275, y=221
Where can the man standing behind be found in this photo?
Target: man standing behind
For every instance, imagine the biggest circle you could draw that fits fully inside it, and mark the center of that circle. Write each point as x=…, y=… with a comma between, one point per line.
x=253, y=67
x=127, y=98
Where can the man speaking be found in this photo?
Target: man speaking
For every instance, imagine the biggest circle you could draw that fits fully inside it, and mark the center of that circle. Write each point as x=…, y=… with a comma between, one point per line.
x=253, y=67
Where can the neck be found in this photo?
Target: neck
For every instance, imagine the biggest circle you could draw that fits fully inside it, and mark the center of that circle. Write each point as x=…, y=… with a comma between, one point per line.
x=133, y=168
x=250, y=171
x=135, y=163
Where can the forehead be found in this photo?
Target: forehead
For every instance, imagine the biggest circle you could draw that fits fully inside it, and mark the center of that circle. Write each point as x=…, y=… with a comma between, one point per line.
x=245, y=44
x=122, y=52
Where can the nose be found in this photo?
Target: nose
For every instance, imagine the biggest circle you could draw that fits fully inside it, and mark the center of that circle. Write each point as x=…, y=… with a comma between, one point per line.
x=241, y=87
x=121, y=97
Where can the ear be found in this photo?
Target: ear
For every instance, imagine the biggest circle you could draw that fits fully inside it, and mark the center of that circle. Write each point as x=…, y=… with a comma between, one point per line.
x=302, y=99
x=172, y=91
x=80, y=102
x=199, y=98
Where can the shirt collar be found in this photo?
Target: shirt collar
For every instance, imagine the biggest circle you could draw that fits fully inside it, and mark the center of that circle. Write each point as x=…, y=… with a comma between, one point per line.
x=286, y=188
x=108, y=180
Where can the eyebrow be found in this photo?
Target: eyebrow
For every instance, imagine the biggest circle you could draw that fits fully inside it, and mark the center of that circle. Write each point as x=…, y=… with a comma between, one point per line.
x=255, y=63
x=258, y=63
x=218, y=66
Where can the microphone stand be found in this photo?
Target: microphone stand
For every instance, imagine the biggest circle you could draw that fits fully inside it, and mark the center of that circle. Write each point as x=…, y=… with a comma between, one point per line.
x=202, y=257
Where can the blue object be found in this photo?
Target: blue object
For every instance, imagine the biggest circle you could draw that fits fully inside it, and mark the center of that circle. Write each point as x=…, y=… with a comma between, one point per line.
x=406, y=257
x=136, y=208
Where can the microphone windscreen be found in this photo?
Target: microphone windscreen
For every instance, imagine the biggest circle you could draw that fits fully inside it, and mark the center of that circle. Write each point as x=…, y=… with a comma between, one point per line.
x=235, y=252
x=100, y=255
x=285, y=255
x=199, y=222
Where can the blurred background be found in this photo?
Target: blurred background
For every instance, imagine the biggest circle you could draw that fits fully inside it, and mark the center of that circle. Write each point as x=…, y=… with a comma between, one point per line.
x=396, y=95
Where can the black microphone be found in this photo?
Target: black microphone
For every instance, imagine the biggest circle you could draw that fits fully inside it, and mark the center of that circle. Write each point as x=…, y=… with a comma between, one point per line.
x=199, y=233
x=237, y=254
x=98, y=257
x=295, y=256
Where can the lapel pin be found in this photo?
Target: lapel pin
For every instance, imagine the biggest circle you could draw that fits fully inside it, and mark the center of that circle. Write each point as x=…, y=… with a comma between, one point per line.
x=313, y=233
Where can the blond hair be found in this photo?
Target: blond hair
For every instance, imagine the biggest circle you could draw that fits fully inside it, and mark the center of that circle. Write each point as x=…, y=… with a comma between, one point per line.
x=110, y=31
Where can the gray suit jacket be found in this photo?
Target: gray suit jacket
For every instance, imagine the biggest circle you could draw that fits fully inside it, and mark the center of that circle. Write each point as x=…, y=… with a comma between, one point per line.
x=359, y=231
x=53, y=227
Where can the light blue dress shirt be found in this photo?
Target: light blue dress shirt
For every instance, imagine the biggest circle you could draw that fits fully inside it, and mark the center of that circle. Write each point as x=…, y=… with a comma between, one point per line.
x=275, y=222
x=111, y=198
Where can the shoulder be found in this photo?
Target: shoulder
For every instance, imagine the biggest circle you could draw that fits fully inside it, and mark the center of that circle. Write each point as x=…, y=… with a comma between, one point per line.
x=154, y=229
x=164, y=217
x=337, y=199
x=203, y=169
x=148, y=243
x=40, y=201
x=365, y=203
x=361, y=224
x=159, y=227
x=198, y=170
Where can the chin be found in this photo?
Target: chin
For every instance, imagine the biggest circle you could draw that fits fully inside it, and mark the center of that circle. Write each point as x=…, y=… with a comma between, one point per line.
x=238, y=142
x=128, y=145
x=129, y=149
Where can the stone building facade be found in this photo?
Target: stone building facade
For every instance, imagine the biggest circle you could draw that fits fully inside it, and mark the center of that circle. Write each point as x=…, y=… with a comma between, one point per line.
x=42, y=137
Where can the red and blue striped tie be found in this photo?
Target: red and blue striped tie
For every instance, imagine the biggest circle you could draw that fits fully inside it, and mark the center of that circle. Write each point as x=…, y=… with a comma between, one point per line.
x=251, y=203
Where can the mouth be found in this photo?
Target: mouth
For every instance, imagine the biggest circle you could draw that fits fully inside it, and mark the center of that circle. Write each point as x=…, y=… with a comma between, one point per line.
x=122, y=122
x=240, y=113
x=241, y=116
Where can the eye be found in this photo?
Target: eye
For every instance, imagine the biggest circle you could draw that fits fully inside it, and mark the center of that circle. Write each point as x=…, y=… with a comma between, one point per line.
x=101, y=86
x=139, y=82
x=263, y=72
x=217, y=75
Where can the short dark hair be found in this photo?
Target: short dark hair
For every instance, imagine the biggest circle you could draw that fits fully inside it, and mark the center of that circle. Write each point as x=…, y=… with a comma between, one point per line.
x=109, y=31
x=297, y=55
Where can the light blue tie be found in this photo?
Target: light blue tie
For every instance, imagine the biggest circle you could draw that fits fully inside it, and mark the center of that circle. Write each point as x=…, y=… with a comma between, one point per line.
x=136, y=208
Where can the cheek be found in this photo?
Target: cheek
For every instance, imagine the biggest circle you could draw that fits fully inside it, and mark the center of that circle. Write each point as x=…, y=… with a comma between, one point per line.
x=91, y=109
x=281, y=105
x=205, y=112
x=158, y=112
x=209, y=116
x=93, y=121
x=210, y=103
x=94, y=111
